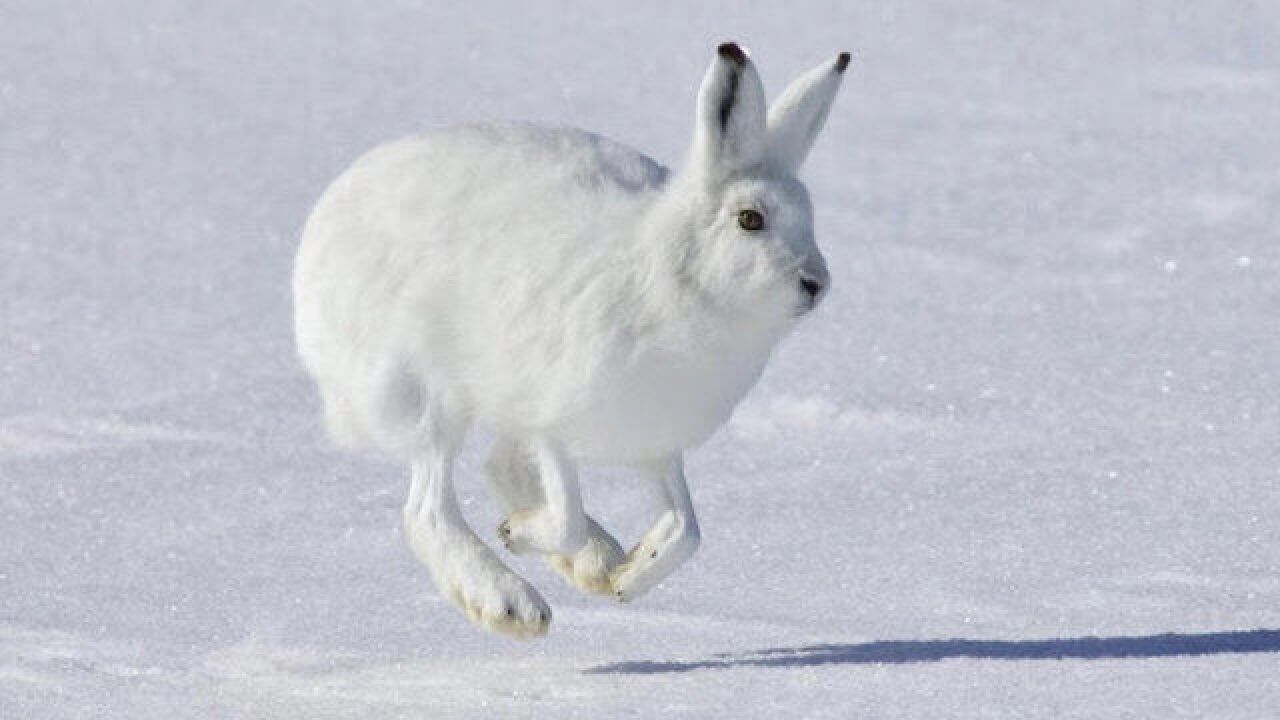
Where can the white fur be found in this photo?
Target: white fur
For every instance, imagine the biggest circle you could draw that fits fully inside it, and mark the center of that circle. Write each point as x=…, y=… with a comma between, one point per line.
x=572, y=296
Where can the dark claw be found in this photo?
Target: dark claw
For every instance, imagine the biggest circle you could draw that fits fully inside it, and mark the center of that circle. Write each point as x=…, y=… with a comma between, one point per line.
x=504, y=534
x=842, y=62
x=508, y=611
x=653, y=554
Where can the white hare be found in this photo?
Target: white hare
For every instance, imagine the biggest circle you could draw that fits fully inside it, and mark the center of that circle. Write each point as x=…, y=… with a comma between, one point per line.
x=574, y=297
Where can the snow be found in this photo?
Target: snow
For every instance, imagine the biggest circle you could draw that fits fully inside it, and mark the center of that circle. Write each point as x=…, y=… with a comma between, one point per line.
x=1022, y=463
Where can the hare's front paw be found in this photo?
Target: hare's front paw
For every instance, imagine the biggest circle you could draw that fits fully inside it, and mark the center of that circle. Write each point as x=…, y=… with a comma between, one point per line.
x=589, y=570
x=668, y=543
x=538, y=530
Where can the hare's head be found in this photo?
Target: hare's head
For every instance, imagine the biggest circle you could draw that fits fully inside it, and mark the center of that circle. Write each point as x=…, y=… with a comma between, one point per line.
x=752, y=242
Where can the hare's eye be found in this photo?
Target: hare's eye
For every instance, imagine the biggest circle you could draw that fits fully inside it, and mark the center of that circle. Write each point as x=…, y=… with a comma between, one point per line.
x=751, y=220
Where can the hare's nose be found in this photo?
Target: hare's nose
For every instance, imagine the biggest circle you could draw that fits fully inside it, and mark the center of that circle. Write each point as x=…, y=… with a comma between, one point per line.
x=812, y=286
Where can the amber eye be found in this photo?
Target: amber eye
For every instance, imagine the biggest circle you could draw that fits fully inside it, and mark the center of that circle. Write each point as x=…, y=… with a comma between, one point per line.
x=751, y=220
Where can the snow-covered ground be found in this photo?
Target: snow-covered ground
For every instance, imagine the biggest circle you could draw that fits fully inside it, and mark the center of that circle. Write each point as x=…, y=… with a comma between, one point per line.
x=1024, y=463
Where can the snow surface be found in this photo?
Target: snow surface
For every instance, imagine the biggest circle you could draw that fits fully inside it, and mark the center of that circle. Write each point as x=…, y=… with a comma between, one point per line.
x=1023, y=463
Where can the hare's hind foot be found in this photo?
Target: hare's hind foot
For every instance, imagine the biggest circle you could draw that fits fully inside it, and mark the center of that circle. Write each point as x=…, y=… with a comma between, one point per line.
x=501, y=603
x=464, y=569
x=469, y=575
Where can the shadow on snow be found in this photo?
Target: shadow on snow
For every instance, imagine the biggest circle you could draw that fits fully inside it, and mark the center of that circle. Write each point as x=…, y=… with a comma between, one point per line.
x=917, y=651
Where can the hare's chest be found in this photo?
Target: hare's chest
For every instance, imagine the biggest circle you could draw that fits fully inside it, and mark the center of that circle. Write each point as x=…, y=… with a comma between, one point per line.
x=661, y=405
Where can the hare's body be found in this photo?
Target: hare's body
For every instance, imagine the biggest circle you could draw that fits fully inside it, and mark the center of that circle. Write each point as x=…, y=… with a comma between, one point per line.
x=560, y=319
x=575, y=298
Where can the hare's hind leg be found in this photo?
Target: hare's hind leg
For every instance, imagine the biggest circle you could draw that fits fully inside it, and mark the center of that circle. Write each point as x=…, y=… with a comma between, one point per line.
x=465, y=570
x=671, y=540
x=515, y=483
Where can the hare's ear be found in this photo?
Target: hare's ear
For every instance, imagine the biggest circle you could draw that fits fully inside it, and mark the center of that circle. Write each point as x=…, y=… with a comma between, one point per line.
x=730, y=130
x=796, y=118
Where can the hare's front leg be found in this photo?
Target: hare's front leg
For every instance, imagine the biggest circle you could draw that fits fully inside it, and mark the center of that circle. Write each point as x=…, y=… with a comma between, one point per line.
x=465, y=570
x=671, y=540
x=515, y=484
x=557, y=525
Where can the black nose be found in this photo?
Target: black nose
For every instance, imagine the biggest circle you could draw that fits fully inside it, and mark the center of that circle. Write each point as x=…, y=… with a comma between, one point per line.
x=811, y=286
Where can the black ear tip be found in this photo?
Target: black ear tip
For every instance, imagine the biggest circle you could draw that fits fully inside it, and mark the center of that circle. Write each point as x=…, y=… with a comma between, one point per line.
x=731, y=52
x=842, y=62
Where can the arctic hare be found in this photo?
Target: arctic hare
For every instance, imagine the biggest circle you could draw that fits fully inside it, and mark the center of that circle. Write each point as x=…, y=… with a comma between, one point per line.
x=574, y=297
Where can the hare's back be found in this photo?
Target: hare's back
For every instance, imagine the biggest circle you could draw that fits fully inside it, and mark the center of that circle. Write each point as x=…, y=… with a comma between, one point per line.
x=561, y=157
x=467, y=190
x=404, y=251
x=473, y=190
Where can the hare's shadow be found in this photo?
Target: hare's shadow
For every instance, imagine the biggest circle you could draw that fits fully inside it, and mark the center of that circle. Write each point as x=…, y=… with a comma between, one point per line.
x=917, y=651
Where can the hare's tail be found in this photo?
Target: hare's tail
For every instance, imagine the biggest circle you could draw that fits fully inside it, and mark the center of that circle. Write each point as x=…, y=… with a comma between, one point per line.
x=342, y=422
